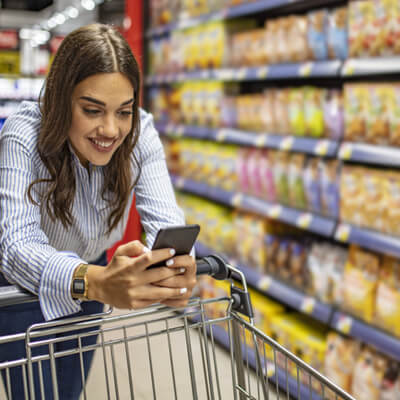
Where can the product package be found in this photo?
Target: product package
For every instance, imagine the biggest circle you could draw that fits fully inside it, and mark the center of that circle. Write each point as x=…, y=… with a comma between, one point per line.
x=337, y=35
x=333, y=114
x=317, y=34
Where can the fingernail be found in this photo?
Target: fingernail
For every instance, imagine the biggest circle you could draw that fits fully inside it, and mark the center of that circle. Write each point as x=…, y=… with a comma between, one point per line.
x=146, y=249
x=183, y=290
x=172, y=252
x=182, y=270
x=170, y=262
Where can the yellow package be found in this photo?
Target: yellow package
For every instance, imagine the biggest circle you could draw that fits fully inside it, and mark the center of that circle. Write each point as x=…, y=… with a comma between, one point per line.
x=356, y=107
x=394, y=114
x=296, y=112
x=392, y=203
x=387, y=306
x=360, y=283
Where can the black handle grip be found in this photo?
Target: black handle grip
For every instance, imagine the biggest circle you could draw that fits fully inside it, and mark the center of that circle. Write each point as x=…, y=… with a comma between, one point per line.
x=214, y=266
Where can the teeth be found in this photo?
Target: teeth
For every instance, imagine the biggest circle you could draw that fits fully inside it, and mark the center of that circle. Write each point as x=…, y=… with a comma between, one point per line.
x=102, y=144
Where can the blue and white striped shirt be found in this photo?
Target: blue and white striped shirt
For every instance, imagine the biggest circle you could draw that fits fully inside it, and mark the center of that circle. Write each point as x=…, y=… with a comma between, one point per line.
x=40, y=254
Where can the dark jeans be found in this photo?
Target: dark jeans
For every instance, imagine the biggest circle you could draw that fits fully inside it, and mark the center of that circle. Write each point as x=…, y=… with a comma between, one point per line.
x=16, y=319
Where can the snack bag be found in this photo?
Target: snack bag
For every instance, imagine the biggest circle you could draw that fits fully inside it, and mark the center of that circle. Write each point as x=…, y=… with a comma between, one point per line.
x=329, y=173
x=361, y=29
x=368, y=375
x=271, y=243
x=333, y=114
x=311, y=179
x=386, y=21
x=394, y=114
x=297, y=196
x=340, y=359
x=313, y=110
x=360, y=283
x=282, y=259
x=282, y=40
x=268, y=190
x=297, y=118
x=296, y=36
x=335, y=266
x=392, y=200
x=281, y=106
x=267, y=117
x=255, y=179
x=271, y=52
x=297, y=265
x=356, y=105
x=387, y=306
x=378, y=117
x=242, y=170
x=281, y=166
x=337, y=34
x=317, y=34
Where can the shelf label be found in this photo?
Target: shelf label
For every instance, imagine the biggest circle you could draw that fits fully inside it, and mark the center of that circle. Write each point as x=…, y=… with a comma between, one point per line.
x=224, y=74
x=322, y=147
x=343, y=233
x=242, y=73
x=221, y=135
x=261, y=140
x=306, y=69
x=304, y=220
x=179, y=130
x=205, y=74
x=169, y=128
x=180, y=76
x=180, y=182
x=287, y=143
x=307, y=305
x=237, y=199
x=345, y=151
x=349, y=68
x=262, y=72
x=344, y=324
x=264, y=283
x=275, y=211
x=270, y=369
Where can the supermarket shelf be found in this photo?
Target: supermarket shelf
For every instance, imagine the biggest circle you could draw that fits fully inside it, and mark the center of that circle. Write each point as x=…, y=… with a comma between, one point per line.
x=369, y=239
x=371, y=154
x=275, y=375
x=278, y=290
x=266, y=72
x=232, y=12
x=340, y=321
x=302, y=219
x=319, y=147
x=355, y=328
x=371, y=66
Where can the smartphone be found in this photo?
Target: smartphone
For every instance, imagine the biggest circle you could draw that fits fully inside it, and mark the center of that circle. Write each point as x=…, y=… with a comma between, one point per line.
x=181, y=238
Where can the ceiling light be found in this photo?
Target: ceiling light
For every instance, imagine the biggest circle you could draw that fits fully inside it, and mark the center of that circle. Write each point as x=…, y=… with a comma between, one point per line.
x=51, y=23
x=72, y=12
x=88, y=4
x=59, y=18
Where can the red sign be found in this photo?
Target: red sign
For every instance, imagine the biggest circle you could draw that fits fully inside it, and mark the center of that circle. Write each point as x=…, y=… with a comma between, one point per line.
x=8, y=40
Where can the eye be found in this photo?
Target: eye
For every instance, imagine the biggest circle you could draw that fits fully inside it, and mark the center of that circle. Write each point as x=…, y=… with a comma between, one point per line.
x=91, y=111
x=125, y=113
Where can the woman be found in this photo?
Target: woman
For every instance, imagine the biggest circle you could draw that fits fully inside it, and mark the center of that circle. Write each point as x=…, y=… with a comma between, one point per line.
x=69, y=167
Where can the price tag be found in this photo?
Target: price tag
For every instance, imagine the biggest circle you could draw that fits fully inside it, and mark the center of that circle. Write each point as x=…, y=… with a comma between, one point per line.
x=344, y=324
x=287, y=143
x=345, y=151
x=261, y=140
x=270, y=369
x=205, y=74
x=306, y=69
x=275, y=211
x=237, y=199
x=221, y=135
x=304, y=220
x=180, y=182
x=322, y=147
x=262, y=72
x=349, y=68
x=307, y=305
x=264, y=283
x=169, y=128
x=242, y=73
x=343, y=233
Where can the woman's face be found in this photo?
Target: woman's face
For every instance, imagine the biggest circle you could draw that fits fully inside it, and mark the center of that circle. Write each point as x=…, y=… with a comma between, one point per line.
x=101, y=117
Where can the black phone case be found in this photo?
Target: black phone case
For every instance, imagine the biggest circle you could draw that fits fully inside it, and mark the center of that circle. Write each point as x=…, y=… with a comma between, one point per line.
x=180, y=238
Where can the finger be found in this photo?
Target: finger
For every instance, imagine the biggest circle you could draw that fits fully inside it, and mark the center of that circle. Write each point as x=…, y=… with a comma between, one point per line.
x=154, y=275
x=131, y=249
x=185, y=261
x=153, y=257
x=177, y=281
x=149, y=292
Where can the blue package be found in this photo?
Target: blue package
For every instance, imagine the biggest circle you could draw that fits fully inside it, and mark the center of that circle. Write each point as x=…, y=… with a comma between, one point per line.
x=317, y=34
x=337, y=34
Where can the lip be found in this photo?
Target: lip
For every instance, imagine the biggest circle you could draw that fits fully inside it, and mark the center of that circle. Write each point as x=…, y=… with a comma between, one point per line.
x=101, y=149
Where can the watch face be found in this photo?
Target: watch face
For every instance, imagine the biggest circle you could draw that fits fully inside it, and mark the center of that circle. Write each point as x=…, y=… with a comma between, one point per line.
x=79, y=286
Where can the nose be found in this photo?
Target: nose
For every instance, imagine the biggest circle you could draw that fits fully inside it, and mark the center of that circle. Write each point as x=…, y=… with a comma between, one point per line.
x=109, y=127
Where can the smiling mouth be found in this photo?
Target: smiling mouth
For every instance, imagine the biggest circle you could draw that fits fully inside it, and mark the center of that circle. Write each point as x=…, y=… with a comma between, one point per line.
x=102, y=145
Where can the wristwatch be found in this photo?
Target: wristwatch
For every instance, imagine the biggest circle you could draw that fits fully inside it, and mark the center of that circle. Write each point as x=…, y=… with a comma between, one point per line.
x=79, y=287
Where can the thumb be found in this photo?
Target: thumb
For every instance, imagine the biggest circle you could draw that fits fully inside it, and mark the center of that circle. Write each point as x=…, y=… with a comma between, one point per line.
x=131, y=249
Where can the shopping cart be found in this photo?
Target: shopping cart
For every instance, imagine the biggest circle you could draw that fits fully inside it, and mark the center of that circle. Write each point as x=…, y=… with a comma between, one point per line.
x=164, y=353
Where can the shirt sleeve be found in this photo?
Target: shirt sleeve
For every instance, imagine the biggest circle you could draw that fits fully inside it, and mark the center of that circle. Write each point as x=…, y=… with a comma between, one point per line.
x=26, y=258
x=155, y=198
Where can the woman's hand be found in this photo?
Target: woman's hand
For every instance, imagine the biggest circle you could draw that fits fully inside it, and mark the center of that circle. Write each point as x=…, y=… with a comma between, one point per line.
x=126, y=282
x=186, y=279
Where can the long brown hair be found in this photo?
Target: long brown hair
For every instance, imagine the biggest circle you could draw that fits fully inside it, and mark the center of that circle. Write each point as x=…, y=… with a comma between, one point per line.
x=87, y=51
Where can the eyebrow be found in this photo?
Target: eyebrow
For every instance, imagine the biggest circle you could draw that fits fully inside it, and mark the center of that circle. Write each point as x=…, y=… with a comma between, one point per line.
x=92, y=100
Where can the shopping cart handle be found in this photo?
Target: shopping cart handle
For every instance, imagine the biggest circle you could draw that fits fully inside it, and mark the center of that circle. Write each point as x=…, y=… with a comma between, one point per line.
x=10, y=295
x=214, y=266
